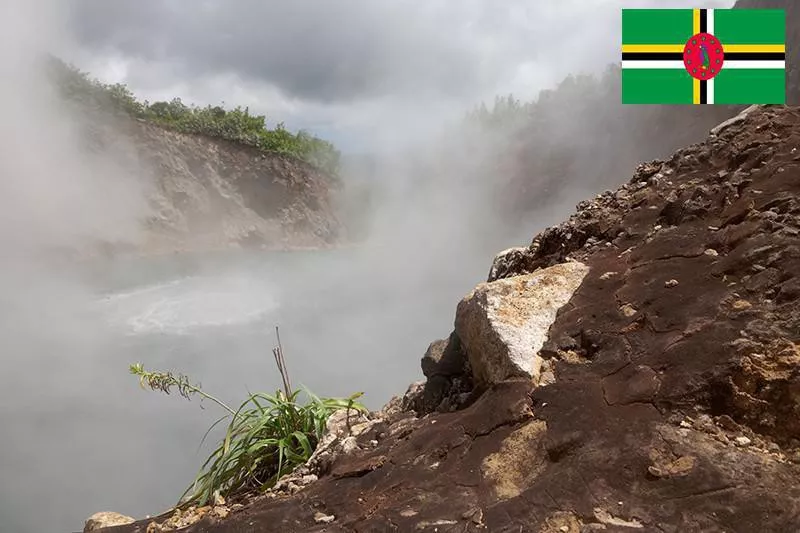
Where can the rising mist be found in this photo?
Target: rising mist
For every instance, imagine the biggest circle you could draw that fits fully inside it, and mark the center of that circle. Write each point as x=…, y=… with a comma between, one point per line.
x=79, y=436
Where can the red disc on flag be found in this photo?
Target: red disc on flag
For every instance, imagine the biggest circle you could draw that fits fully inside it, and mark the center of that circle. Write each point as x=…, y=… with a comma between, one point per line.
x=703, y=56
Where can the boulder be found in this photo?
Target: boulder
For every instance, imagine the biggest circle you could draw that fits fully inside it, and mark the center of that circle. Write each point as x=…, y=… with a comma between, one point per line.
x=444, y=357
x=503, y=324
x=102, y=520
x=449, y=382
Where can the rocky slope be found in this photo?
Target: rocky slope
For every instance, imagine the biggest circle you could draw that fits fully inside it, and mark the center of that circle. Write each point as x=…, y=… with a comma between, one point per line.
x=207, y=193
x=636, y=368
x=212, y=193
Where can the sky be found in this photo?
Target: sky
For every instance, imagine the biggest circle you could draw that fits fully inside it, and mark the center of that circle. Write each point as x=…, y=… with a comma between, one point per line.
x=346, y=69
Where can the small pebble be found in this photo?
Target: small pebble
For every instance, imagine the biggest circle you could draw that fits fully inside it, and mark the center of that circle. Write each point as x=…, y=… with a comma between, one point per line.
x=711, y=252
x=671, y=283
x=741, y=305
x=349, y=444
x=742, y=441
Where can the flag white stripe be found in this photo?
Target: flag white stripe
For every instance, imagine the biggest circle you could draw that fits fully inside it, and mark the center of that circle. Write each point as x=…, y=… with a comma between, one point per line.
x=753, y=64
x=710, y=23
x=710, y=90
x=654, y=64
x=661, y=64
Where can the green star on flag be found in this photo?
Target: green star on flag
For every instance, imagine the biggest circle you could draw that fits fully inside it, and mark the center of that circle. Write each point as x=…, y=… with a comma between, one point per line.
x=703, y=56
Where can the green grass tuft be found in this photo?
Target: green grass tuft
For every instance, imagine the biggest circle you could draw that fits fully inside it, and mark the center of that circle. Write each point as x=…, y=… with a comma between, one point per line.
x=266, y=437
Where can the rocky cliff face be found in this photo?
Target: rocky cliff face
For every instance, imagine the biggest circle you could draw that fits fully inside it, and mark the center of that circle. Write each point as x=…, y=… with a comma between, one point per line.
x=664, y=398
x=207, y=193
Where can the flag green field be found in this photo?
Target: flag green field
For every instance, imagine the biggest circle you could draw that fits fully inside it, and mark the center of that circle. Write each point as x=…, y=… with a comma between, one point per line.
x=752, y=64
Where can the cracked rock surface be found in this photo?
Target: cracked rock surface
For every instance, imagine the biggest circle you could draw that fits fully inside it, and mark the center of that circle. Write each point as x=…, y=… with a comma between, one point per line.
x=673, y=397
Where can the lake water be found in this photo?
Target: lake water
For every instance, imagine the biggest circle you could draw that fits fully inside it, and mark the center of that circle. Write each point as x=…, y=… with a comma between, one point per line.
x=80, y=436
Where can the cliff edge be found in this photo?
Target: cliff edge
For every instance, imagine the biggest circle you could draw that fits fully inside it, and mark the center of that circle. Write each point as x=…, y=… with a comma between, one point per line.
x=211, y=178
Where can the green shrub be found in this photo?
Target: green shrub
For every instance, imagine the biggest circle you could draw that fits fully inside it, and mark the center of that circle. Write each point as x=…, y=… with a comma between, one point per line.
x=267, y=436
x=235, y=125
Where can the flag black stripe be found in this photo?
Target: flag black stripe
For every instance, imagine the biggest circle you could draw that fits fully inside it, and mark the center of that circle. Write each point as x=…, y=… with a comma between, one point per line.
x=703, y=90
x=703, y=21
x=755, y=56
x=730, y=56
x=648, y=56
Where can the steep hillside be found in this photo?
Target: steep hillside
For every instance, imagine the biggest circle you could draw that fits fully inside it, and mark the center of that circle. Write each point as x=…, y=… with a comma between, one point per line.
x=635, y=368
x=214, y=178
x=210, y=193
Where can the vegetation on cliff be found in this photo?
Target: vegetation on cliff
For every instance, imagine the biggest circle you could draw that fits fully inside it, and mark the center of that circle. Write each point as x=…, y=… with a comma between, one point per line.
x=236, y=125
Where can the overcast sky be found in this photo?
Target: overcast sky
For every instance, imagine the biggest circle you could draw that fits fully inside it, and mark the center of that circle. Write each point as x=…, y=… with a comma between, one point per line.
x=362, y=73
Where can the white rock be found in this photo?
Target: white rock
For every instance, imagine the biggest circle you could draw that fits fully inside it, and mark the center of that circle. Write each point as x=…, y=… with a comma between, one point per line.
x=503, y=324
x=742, y=441
x=102, y=520
x=349, y=444
x=322, y=518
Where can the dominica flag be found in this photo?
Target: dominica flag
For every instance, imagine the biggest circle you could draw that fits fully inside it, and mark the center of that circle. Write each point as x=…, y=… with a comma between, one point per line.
x=703, y=56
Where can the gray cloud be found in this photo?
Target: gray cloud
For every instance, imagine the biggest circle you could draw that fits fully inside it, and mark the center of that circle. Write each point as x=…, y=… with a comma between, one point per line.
x=347, y=68
x=327, y=51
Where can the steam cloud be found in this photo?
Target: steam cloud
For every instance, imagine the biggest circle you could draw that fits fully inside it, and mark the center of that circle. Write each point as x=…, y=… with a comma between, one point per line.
x=78, y=435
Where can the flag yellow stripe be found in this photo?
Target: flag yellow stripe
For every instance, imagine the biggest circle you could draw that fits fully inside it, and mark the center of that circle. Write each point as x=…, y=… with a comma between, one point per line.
x=652, y=48
x=695, y=22
x=667, y=48
x=754, y=48
x=695, y=91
